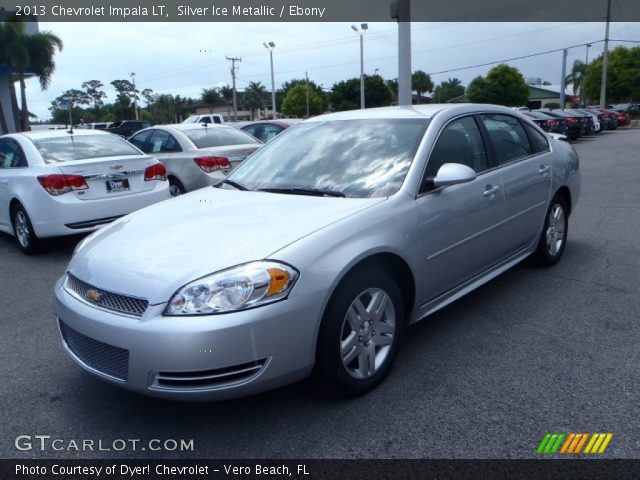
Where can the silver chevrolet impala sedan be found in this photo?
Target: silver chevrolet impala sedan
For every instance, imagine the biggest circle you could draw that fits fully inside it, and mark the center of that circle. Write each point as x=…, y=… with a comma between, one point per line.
x=317, y=252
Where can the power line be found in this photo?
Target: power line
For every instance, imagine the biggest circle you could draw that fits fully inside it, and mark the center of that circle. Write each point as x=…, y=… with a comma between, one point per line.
x=522, y=57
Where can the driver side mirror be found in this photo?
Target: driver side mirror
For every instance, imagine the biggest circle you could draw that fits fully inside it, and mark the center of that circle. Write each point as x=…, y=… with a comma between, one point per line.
x=453, y=174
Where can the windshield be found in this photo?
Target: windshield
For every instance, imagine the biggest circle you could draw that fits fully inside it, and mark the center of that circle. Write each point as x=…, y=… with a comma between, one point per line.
x=79, y=147
x=357, y=158
x=192, y=119
x=218, y=136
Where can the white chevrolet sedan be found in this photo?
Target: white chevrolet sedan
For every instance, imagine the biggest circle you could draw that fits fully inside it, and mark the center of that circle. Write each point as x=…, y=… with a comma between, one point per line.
x=58, y=182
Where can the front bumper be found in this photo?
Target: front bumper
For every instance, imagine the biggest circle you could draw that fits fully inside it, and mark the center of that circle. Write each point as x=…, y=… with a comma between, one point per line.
x=211, y=357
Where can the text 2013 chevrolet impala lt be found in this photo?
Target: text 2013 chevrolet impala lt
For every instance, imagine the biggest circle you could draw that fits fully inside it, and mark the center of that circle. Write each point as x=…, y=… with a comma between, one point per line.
x=316, y=252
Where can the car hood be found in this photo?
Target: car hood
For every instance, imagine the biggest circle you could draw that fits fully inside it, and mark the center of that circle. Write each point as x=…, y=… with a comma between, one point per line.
x=154, y=251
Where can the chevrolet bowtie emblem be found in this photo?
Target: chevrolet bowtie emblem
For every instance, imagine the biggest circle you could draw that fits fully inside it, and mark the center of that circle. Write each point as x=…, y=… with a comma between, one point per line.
x=93, y=295
x=116, y=167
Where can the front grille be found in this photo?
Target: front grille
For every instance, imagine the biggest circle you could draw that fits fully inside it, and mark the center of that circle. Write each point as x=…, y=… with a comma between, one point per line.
x=108, y=300
x=209, y=379
x=104, y=358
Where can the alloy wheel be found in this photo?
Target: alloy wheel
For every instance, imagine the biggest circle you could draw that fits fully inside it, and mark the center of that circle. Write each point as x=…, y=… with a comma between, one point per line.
x=23, y=233
x=368, y=331
x=555, y=234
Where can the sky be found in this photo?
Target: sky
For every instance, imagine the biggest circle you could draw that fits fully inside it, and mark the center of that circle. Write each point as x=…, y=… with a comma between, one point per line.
x=184, y=58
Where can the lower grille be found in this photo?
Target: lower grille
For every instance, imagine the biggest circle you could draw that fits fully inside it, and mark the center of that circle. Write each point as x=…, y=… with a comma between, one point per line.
x=108, y=300
x=218, y=378
x=104, y=358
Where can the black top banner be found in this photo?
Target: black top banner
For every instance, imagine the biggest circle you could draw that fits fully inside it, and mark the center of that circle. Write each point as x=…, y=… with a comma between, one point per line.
x=322, y=10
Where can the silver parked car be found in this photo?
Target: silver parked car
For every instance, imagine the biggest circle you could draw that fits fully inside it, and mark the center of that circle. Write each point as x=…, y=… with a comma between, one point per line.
x=316, y=252
x=196, y=155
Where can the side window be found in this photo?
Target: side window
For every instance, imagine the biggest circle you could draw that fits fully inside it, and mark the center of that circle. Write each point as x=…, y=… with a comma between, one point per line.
x=539, y=142
x=269, y=132
x=216, y=119
x=140, y=139
x=11, y=155
x=459, y=142
x=508, y=138
x=253, y=130
x=162, y=141
x=205, y=120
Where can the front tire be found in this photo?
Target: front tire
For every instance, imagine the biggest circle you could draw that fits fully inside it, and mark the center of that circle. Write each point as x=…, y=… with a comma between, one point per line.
x=360, y=332
x=554, y=233
x=23, y=231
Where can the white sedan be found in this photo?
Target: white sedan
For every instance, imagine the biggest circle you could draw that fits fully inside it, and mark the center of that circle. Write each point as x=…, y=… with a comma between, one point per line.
x=58, y=182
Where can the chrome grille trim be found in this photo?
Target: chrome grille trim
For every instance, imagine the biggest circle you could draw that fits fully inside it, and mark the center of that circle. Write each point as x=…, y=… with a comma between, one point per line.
x=114, y=302
x=209, y=379
x=96, y=356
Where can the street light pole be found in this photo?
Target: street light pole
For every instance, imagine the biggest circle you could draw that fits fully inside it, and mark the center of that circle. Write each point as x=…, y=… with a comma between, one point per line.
x=361, y=31
x=135, y=94
x=307, y=77
x=270, y=46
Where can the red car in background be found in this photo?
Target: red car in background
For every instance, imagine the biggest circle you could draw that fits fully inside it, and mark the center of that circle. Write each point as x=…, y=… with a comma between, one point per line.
x=623, y=118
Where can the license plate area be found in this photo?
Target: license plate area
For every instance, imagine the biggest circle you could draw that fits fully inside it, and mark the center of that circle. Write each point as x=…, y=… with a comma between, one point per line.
x=117, y=185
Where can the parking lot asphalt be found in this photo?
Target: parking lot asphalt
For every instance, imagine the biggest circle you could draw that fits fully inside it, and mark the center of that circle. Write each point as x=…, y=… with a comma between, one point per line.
x=534, y=351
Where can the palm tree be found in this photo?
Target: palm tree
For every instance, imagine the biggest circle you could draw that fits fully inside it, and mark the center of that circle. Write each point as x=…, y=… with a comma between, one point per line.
x=10, y=49
x=253, y=96
x=21, y=53
x=41, y=48
x=577, y=77
x=421, y=83
x=211, y=97
x=227, y=93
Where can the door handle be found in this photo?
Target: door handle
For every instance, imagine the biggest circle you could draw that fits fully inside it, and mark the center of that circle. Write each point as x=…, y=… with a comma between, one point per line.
x=489, y=190
x=4, y=182
x=544, y=169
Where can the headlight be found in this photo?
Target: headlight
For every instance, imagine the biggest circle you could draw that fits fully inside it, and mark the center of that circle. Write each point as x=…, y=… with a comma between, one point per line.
x=237, y=288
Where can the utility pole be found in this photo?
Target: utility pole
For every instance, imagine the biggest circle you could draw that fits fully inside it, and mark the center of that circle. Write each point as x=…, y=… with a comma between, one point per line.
x=233, y=61
x=563, y=80
x=307, y=77
x=135, y=94
x=605, y=60
x=401, y=11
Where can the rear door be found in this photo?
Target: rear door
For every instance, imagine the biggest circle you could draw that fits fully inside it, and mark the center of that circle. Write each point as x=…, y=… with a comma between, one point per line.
x=523, y=156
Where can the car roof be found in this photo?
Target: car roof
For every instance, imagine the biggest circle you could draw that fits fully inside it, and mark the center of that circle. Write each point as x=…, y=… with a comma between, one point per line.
x=413, y=111
x=43, y=134
x=190, y=126
x=283, y=122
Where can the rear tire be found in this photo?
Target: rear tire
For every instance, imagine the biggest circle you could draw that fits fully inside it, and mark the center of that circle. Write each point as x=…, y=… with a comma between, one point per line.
x=175, y=187
x=360, y=332
x=23, y=231
x=554, y=233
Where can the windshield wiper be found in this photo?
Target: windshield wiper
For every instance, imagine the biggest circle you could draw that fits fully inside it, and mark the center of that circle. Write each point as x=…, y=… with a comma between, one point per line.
x=237, y=185
x=317, y=192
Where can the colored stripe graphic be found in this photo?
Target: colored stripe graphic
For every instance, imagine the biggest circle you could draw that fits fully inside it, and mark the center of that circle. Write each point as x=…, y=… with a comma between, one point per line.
x=573, y=443
x=550, y=443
